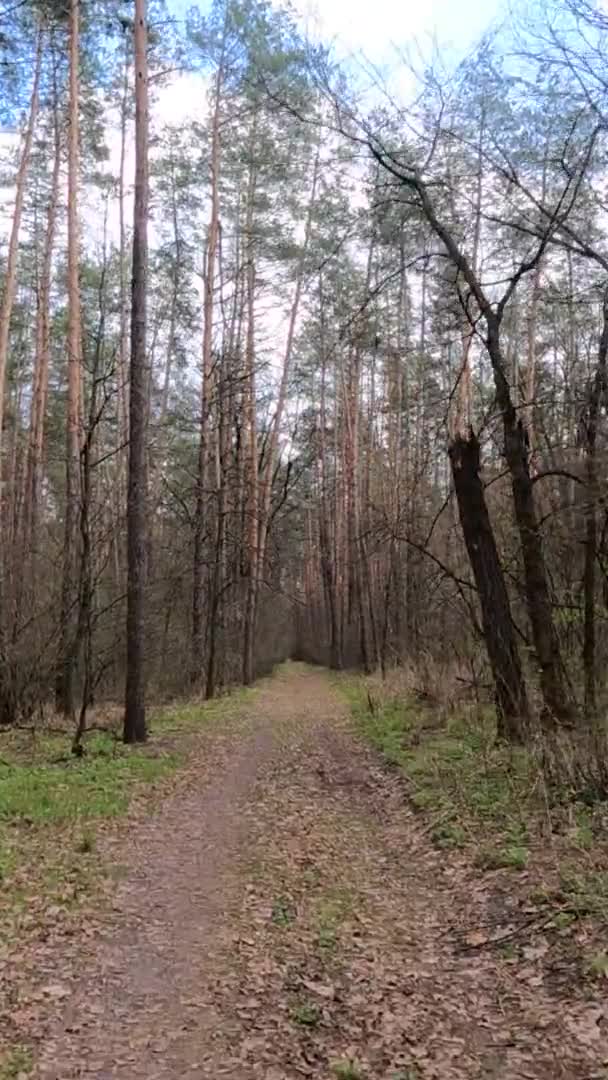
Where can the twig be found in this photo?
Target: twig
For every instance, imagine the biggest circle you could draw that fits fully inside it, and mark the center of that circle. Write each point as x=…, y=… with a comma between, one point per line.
x=530, y=925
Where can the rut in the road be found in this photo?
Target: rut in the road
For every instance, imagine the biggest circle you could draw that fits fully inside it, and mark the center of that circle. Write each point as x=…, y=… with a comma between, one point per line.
x=284, y=915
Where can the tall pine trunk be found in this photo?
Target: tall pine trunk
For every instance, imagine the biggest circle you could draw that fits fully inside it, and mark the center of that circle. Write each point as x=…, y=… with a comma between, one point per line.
x=42, y=357
x=68, y=644
x=252, y=502
x=135, y=729
x=198, y=576
x=10, y=280
x=597, y=396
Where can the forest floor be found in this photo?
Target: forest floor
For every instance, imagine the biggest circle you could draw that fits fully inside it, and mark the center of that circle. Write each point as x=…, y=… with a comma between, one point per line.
x=281, y=913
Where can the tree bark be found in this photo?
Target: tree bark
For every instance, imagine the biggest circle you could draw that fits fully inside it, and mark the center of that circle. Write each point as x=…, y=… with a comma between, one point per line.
x=122, y=427
x=10, y=286
x=10, y=281
x=597, y=395
x=42, y=356
x=556, y=696
x=69, y=595
x=208, y=307
x=251, y=506
x=135, y=729
x=499, y=632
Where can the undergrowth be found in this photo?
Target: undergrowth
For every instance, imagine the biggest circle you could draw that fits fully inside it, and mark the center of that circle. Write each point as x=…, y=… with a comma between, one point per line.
x=455, y=766
x=52, y=803
x=488, y=797
x=15, y=1063
x=97, y=785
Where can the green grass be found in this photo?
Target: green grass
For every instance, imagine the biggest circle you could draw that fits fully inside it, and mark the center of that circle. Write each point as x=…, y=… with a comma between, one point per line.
x=510, y=857
x=40, y=782
x=458, y=771
x=331, y=911
x=306, y=1014
x=492, y=799
x=48, y=811
x=597, y=966
x=347, y=1070
x=16, y=1062
x=97, y=785
x=50, y=801
x=283, y=913
x=194, y=715
x=585, y=891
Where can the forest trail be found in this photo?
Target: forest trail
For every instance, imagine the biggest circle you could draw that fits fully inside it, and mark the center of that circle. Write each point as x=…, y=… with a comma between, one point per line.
x=283, y=914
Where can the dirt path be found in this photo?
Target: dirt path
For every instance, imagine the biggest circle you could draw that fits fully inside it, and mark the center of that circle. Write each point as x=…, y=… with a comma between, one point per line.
x=283, y=915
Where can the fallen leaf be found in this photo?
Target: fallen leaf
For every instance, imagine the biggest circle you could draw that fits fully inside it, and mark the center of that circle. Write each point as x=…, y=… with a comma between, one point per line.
x=56, y=991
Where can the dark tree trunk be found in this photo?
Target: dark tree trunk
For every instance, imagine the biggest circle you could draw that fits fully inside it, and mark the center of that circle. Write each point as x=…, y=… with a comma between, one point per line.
x=328, y=574
x=499, y=632
x=215, y=612
x=198, y=563
x=556, y=696
x=68, y=643
x=135, y=708
x=597, y=394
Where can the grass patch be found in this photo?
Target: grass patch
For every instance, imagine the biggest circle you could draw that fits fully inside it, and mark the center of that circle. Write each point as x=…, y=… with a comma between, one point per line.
x=283, y=913
x=511, y=857
x=457, y=769
x=50, y=802
x=347, y=1070
x=489, y=797
x=48, y=811
x=194, y=715
x=15, y=1063
x=585, y=891
x=597, y=966
x=331, y=912
x=449, y=835
x=306, y=1014
x=97, y=785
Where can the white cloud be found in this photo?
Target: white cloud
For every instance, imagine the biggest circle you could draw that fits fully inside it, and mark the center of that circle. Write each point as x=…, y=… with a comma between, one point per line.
x=377, y=28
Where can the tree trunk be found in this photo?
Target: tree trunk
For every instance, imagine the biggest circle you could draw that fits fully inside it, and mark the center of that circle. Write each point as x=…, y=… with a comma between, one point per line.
x=531, y=328
x=252, y=510
x=251, y=506
x=68, y=641
x=208, y=306
x=556, y=697
x=597, y=395
x=328, y=565
x=220, y=530
x=42, y=356
x=122, y=427
x=135, y=729
x=10, y=281
x=499, y=632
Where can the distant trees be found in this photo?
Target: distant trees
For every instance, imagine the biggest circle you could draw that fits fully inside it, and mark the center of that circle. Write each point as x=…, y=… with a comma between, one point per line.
x=493, y=207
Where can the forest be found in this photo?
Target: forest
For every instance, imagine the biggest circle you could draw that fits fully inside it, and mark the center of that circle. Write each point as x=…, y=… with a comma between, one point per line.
x=304, y=359
x=336, y=387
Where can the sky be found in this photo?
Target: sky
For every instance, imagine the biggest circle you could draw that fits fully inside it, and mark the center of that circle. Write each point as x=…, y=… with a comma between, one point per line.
x=369, y=30
x=376, y=27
